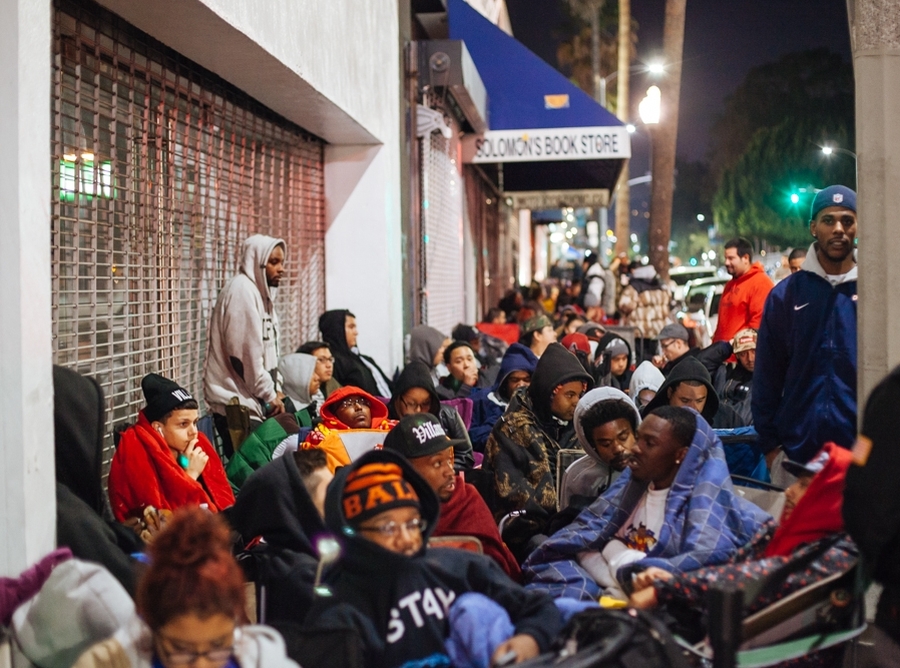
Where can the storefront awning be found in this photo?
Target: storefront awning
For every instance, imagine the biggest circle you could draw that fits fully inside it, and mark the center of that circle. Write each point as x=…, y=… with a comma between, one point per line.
x=547, y=132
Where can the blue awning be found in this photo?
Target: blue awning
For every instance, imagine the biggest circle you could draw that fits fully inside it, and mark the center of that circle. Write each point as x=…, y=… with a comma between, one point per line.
x=557, y=145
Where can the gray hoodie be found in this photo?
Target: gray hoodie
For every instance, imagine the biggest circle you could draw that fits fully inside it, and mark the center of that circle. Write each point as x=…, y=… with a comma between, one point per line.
x=242, y=348
x=590, y=475
x=297, y=370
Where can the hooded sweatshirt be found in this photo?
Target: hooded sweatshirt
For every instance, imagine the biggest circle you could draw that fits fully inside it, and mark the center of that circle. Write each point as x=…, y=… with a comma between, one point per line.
x=720, y=416
x=242, y=349
x=645, y=377
x=416, y=374
x=742, y=302
x=424, y=343
x=521, y=451
x=297, y=371
x=590, y=476
x=350, y=366
x=489, y=403
x=397, y=605
x=275, y=505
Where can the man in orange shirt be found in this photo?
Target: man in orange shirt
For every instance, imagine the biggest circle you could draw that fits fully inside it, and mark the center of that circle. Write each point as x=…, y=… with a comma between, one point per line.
x=745, y=294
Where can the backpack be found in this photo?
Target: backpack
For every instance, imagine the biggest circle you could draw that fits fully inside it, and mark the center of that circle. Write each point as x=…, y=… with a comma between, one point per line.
x=601, y=638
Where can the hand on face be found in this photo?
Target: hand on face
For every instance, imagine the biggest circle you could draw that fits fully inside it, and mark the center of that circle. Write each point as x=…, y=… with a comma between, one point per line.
x=197, y=459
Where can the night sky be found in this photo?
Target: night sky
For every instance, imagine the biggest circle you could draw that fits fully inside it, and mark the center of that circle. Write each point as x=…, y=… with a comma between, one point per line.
x=723, y=40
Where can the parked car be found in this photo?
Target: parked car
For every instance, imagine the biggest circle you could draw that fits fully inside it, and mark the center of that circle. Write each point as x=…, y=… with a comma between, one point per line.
x=679, y=277
x=701, y=304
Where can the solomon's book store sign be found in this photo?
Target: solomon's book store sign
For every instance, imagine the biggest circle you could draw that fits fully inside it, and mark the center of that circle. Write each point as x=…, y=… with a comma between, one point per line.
x=539, y=145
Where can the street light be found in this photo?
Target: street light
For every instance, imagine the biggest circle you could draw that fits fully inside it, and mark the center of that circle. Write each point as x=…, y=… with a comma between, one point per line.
x=653, y=68
x=649, y=108
x=828, y=150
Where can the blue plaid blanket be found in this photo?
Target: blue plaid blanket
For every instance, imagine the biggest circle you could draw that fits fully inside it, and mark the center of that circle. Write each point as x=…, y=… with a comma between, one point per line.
x=705, y=523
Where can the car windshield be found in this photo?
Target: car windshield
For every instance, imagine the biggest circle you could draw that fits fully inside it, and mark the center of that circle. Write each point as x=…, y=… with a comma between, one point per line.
x=683, y=277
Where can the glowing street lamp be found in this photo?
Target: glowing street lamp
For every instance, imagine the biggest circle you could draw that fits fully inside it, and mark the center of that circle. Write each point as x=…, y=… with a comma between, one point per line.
x=649, y=108
x=828, y=150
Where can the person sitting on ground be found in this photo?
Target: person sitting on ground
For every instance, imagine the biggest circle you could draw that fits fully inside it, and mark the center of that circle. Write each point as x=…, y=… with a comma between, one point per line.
x=349, y=410
x=488, y=404
x=421, y=439
x=810, y=523
x=538, y=333
x=738, y=388
x=389, y=592
x=689, y=386
x=645, y=382
x=521, y=451
x=464, y=372
x=190, y=605
x=427, y=345
x=300, y=384
x=164, y=461
x=414, y=394
x=606, y=422
x=488, y=349
x=673, y=343
x=324, y=368
x=279, y=516
x=339, y=331
x=674, y=508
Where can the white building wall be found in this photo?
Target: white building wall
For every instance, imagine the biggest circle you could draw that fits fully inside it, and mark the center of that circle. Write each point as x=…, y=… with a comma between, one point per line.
x=27, y=488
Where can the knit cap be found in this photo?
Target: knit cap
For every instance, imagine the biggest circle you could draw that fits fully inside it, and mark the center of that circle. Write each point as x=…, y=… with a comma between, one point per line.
x=374, y=488
x=162, y=396
x=832, y=196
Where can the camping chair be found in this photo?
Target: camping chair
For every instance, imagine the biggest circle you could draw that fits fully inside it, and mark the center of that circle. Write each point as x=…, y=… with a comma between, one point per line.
x=564, y=459
x=767, y=496
x=819, y=616
x=238, y=418
x=467, y=543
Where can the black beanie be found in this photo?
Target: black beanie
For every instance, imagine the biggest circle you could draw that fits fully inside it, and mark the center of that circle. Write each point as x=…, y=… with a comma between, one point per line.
x=162, y=396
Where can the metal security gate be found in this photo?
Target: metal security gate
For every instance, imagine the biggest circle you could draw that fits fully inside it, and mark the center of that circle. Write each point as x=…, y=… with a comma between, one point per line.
x=442, y=230
x=160, y=171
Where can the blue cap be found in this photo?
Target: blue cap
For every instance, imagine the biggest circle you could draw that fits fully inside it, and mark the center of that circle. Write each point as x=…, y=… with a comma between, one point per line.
x=833, y=196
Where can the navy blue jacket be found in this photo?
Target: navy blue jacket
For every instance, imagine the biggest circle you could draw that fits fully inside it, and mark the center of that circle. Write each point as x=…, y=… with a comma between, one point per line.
x=804, y=382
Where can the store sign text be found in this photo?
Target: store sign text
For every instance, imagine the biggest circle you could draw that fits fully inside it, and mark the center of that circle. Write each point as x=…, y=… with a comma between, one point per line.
x=550, y=144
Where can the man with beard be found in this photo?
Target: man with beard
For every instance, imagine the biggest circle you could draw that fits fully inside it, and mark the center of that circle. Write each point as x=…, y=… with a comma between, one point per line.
x=805, y=376
x=421, y=439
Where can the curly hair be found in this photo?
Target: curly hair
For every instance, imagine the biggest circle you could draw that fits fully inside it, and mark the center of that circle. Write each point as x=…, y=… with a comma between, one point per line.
x=191, y=571
x=607, y=411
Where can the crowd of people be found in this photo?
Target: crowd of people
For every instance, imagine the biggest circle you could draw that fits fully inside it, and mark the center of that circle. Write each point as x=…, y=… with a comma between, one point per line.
x=430, y=517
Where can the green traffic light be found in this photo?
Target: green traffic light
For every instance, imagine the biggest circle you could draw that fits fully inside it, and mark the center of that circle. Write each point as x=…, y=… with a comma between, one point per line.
x=795, y=198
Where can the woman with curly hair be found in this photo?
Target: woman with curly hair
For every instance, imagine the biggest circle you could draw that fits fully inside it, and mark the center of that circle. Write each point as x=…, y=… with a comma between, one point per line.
x=190, y=604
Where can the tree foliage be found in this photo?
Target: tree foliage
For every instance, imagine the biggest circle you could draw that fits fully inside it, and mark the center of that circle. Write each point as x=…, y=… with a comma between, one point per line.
x=766, y=146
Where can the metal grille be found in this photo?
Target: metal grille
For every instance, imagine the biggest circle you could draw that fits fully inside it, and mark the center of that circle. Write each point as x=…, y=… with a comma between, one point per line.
x=442, y=232
x=160, y=171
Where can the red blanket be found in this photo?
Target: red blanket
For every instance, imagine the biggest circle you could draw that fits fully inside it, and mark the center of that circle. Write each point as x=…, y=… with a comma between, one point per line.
x=144, y=473
x=466, y=514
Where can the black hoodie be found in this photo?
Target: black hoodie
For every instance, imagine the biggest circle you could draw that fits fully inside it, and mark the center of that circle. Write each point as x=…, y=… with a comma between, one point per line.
x=275, y=505
x=557, y=366
x=417, y=374
x=349, y=368
x=719, y=417
x=84, y=521
x=397, y=605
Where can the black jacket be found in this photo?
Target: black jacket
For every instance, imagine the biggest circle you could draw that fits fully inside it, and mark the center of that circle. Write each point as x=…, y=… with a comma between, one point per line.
x=417, y=374
x=275, y=505
x=394, y=606
x=712, y=357
x=717, y=414
x=84, y=522
x=349, y=368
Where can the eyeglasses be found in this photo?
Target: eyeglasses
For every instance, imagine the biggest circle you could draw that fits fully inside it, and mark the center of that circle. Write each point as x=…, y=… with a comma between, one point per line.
x=413, y=406
x=669, y=342
x=325, y=360
x=354, y=402
x=186, y=658
x=393, y=529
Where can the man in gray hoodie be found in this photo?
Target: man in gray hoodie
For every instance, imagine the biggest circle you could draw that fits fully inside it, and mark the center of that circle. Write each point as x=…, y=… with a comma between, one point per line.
x=242, y=348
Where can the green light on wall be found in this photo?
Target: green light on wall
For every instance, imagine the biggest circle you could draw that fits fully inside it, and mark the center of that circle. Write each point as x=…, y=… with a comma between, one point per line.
x=85, y=178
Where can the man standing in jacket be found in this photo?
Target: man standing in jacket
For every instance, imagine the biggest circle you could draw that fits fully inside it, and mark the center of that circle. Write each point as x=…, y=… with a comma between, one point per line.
x=242, y=348
x=804, y=381
x=745, y=294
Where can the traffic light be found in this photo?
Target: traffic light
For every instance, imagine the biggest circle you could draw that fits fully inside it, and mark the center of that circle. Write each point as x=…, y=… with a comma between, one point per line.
x=795, y=198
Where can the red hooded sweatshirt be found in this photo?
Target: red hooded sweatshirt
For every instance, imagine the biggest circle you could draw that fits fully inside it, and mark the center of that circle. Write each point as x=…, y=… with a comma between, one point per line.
x=742, y=303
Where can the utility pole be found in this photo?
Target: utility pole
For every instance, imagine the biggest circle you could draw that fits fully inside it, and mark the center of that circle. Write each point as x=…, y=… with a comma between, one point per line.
x=664, y=137
x=623, y=196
